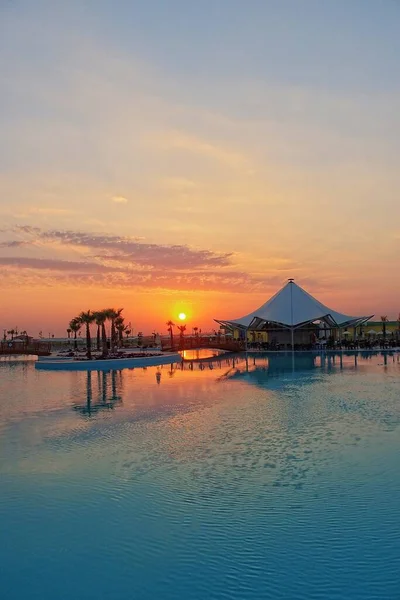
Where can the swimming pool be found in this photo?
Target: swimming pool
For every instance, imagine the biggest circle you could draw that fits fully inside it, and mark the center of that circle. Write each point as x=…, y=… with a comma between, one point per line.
x=222, y=479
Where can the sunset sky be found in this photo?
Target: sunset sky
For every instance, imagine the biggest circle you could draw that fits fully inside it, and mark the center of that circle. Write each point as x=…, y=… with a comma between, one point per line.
x=168, y=156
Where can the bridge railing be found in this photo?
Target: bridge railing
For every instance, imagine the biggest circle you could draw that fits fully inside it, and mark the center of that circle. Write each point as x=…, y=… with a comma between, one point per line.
x=193, y=343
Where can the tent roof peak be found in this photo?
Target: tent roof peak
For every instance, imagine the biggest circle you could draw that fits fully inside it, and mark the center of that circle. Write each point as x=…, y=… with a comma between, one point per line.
x=293, y=307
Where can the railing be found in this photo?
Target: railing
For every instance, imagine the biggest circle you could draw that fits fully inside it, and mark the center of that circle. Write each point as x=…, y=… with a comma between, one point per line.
x=10, y=347
x=192, y=343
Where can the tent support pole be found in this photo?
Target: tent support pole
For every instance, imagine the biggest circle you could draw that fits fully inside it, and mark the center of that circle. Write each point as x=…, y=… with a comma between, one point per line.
x=245, y=339
x=291, y=312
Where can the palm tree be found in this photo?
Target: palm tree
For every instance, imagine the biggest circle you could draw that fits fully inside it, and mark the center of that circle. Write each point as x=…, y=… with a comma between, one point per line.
x=75, y=326
x=170, y=326
x=12, y=333
x=120, y=327
x=69, y=332
x=384, y=320
x=87, y=318
x=99, y=319
x=113, y=314
x=182, y=329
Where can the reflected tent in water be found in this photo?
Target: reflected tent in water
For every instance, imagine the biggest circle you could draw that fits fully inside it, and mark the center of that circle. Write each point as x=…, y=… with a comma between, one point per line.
x=103, y=389
x=260, y=369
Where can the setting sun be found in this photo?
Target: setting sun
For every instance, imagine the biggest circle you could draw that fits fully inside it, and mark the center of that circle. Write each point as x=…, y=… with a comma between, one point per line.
x=182, y=316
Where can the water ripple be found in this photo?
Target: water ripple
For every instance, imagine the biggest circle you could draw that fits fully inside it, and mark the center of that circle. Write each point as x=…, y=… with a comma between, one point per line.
x=202, y=486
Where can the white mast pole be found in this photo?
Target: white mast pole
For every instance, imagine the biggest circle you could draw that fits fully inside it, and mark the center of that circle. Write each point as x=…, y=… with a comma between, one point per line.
x=291, y=313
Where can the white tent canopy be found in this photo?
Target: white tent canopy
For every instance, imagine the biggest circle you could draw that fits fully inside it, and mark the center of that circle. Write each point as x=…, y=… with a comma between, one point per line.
x=292, y=307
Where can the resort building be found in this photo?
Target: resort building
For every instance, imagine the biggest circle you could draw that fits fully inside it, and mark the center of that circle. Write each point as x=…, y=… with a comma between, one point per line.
x=292, y=317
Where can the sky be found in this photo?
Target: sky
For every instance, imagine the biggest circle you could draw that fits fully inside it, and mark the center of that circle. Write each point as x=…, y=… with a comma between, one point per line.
x=185, y=156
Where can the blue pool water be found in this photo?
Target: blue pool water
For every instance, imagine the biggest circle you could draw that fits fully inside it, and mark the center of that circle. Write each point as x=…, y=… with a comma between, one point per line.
x=232, y=481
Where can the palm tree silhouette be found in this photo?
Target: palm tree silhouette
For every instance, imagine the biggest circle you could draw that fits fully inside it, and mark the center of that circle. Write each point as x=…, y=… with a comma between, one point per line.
x=87, y=318
x=75, y=326
x=100, y=320
x=120, y=327
x=113, y=314
x=182, y=329
x=69, y=332
x=170, y=326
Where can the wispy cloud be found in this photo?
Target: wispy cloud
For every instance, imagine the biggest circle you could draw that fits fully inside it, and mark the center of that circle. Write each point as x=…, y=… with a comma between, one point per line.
x=14, y=244
x=119, y=199
x=128, y=250
x=119, y=261
x=178, y=184
x=49, y=264
x=180, y=140
x=49, y=273
x=49, y=210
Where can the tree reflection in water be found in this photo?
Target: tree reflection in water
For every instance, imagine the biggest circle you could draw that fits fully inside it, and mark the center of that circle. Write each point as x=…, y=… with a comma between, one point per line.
x=107, y=394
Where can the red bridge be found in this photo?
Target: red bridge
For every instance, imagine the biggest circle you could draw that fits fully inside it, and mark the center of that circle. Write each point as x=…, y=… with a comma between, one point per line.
x=194, y=343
